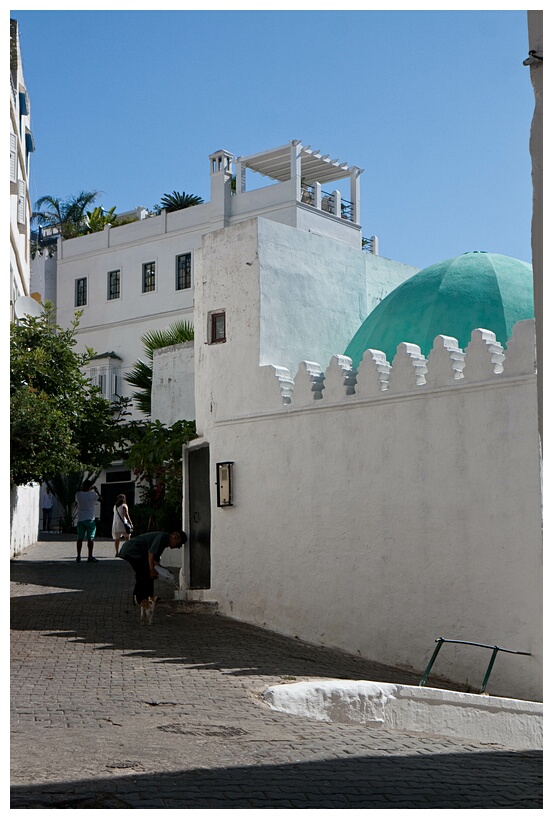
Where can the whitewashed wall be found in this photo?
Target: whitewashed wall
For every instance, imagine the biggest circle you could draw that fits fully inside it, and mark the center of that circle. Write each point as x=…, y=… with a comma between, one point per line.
x=173, y=384
x=370, y=519
x=288, y=295
x=128, y=258
x=24, y=517
x=301, y=275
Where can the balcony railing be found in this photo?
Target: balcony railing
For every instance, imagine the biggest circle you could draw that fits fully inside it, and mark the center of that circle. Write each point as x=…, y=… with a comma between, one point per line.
x=328, y=202
x=347, y=209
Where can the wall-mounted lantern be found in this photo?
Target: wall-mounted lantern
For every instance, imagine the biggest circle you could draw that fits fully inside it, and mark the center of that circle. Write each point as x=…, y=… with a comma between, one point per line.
x=224, y=483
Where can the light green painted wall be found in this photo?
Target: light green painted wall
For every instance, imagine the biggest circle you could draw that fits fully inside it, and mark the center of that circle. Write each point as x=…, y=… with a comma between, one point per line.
x=314, y=293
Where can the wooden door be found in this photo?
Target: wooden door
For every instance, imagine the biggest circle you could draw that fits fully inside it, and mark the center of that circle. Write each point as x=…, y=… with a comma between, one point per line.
x=199, y=500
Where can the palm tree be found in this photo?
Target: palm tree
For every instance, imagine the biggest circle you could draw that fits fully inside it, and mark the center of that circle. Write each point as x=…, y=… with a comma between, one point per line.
x=141, y=374
x=178, y=201
x=68, y=215
x=98, y=218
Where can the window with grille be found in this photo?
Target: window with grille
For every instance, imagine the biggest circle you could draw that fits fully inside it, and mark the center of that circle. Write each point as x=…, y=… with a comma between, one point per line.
x=148, y=277
x=80, y=292
x=114, y=284
x=184, y=271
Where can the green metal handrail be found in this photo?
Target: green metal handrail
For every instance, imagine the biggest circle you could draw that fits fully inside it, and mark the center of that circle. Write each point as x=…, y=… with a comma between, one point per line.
x=441, y=640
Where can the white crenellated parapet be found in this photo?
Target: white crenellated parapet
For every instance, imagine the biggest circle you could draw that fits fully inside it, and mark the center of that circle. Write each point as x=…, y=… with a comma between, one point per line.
x=373, y=375
x=520, y=357
x=340, y=378
x=277, y=384
x=447, y=366
x=484, y=356
x=308, y=384
x=408, y=368
x=446, y=363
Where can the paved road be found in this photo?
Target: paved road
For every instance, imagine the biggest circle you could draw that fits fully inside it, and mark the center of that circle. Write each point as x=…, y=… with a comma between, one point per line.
x=109, y=714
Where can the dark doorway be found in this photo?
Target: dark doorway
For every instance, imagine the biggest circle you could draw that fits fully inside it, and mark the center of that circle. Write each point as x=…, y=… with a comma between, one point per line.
x=109, y=492
x=200, y=518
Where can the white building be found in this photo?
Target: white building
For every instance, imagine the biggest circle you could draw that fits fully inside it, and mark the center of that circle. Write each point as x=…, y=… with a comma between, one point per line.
x=372, y=509
x=24, y=500
x=142, y=276
x=21, y=147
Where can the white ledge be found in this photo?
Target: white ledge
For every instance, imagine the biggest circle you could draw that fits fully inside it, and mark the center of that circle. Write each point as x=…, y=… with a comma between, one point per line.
x=516, y=724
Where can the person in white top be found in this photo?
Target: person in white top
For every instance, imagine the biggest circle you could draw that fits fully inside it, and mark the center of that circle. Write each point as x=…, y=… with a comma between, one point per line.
x=121, y=520
x=47, y=503
x=86, y=520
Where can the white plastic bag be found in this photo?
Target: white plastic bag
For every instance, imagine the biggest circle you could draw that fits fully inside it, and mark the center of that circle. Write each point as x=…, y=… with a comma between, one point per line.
x=165, y=574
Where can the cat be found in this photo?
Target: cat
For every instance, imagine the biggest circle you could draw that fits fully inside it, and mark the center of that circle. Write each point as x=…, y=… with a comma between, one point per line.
x=147, y=608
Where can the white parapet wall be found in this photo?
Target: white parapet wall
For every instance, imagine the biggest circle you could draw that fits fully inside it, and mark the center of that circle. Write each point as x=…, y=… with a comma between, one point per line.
x=173, y=384
x=24, y=517
x=515, y=724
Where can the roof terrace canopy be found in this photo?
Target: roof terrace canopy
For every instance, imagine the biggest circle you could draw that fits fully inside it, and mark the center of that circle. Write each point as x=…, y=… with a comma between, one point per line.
x=276, y=164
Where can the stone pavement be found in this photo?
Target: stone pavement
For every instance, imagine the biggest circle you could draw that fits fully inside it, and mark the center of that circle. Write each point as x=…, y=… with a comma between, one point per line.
x=110, y=714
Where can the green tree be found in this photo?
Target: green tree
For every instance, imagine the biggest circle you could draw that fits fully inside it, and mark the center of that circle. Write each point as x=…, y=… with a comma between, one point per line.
x=98, y=218
x=140, y=376
x=59, y=421
x=67, y=215
x=177, y=201
x=155, y=455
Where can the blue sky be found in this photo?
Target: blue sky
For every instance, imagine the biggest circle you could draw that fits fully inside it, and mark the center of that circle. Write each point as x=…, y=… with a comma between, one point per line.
x=436, y=106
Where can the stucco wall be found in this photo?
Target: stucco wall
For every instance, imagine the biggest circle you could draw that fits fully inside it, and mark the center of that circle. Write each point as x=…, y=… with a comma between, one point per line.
x=173, y=384
x=315, y=293
x=381, y=526
x=374, y=520
x=24, y=517
x=118, y=325
x=134, y=304
x=227, y=277
x=382, y=276
x=288, y=295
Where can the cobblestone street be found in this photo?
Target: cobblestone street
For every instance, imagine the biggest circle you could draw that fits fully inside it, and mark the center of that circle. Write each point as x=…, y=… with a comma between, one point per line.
x=109, y=714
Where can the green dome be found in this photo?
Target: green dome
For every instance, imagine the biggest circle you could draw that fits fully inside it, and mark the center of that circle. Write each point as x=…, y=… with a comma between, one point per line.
x=451, y=298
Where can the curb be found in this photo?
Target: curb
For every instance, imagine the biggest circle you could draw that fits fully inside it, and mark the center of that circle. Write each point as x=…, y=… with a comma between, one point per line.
x=516, y=724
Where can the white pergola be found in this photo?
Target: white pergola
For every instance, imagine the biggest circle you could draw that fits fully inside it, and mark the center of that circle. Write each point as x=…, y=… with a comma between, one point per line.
x=302, y=163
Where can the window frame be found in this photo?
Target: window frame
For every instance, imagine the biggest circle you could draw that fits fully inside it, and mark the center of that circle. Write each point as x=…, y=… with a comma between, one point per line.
x=214, y=317
x=187, y=273
x=144, y=266
x=77, y=281
x=109, y=288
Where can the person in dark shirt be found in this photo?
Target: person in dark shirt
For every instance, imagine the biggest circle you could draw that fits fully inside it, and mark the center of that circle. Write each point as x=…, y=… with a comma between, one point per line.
x=143, y=552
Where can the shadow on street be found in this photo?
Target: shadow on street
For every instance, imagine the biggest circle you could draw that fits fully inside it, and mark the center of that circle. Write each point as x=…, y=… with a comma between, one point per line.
x=433, y=781
x=94, y=605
